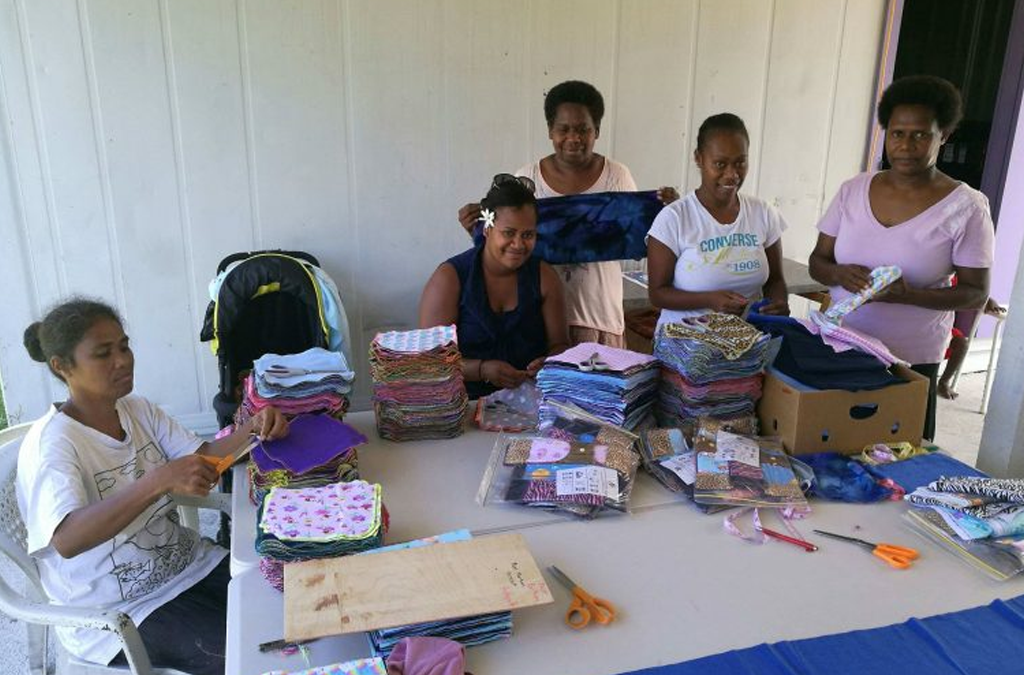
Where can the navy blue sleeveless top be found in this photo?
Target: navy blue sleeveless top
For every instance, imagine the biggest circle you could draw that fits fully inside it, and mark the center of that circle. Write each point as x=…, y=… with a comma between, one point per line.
x=516, y=337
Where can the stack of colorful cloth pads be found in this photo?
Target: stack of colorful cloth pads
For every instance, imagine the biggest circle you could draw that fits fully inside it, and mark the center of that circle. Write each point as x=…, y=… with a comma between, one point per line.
x=711, y=367
x=418, y=390
x=315, y=461
x=317, y=450
x=614, y=385
x=468, y=631
x=312, y=381
x=318, y=522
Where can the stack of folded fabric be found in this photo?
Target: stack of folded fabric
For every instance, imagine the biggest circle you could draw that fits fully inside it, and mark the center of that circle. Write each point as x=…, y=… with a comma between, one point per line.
x=312, y=381
x=468, y=631
x=418, y=390
x=614, y=385
x=681, y=399
x=711, y=367
x=814, y=354
x=981, y=519
x=319, y=522
x=317, y=450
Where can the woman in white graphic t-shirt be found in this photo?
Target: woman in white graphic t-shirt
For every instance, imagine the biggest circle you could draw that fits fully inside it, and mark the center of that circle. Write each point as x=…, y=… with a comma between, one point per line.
x=716, y=249
x=94, y=480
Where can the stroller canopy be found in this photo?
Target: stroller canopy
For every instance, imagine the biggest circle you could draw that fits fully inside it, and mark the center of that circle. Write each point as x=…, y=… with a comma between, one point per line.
x=268, y=302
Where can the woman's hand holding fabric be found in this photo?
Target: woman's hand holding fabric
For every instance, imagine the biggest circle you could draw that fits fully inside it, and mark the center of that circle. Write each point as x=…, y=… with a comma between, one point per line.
x=853, y=278
x=269, y=424
x=895, y=292
x=502, y=374
x=667, y=194
x=534, y=366
x=775, y=308
x=727, y=302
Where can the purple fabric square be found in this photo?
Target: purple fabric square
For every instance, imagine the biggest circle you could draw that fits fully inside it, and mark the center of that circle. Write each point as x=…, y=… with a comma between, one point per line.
x=312, y=441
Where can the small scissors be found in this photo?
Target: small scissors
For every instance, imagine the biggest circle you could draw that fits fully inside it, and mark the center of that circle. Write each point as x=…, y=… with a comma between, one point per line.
x=584, y=606
x=593, y=363
x=222, y=464
x=899, y=557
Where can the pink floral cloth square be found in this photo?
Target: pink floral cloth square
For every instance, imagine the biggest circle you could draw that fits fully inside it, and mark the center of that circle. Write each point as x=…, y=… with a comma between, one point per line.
x=329, y=513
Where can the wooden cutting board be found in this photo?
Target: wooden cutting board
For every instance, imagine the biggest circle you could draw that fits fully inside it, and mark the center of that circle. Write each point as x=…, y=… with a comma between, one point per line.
x=396, y=588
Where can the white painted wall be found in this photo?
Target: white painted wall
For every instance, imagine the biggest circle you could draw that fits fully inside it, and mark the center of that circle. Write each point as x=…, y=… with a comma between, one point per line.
x=143, y=141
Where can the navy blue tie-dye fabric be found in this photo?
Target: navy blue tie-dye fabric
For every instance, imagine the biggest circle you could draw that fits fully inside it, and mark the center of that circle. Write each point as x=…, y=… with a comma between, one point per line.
x=592, y=227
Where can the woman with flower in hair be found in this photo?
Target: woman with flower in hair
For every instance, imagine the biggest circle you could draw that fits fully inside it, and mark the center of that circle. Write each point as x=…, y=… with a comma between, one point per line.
x=593, y=291
x=508, y=306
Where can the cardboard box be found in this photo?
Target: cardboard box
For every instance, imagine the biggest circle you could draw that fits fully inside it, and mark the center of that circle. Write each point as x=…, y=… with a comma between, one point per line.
x=844, y=421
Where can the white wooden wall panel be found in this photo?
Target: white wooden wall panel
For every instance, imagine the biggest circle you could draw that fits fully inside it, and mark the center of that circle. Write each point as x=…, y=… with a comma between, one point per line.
x=733, y=52
x=144, y=141
x=654, y=83
x=211, y=158
x=798, y=115
x=853, y=111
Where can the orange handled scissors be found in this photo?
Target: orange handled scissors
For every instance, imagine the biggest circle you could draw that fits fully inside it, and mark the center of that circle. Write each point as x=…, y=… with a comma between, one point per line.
x=584, y=606
x=899, y=557
x=222, y=464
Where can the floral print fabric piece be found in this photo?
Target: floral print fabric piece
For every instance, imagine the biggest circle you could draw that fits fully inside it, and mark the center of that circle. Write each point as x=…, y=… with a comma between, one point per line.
x=340, y=511
x=418, y=340
x=881, y=278
x=373, y=666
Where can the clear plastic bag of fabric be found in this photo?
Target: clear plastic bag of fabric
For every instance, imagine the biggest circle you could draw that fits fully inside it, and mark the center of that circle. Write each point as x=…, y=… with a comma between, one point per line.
x=577, y=464
x=745, y=471
x=708, y=427
x=1000, y=558
x=668, y=457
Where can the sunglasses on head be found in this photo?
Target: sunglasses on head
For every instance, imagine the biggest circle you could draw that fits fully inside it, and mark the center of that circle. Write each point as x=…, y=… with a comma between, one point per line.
x=502, y=178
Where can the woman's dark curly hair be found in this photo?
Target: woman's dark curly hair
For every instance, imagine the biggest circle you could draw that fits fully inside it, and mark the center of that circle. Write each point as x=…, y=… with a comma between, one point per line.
x=574, y=91
x=928, y=90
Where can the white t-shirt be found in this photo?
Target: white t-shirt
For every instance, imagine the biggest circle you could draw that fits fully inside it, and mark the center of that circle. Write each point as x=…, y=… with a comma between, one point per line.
x=593, y=291
x=63, y=466
x=711, y=256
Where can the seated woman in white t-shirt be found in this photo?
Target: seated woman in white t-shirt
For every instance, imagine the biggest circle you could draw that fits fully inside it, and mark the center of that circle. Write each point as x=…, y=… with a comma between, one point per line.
x=94, y=480
x=716, y=249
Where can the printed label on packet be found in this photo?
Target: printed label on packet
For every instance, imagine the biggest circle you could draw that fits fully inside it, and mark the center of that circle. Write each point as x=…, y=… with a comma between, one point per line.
x=682, y=465
x=731, y=447
x=588, y=480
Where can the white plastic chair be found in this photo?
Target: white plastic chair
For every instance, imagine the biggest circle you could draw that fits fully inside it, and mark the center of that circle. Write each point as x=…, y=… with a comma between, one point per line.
x=34, y=608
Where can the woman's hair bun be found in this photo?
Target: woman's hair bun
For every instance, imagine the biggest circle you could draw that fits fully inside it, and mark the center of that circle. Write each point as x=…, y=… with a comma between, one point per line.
x=32, y=342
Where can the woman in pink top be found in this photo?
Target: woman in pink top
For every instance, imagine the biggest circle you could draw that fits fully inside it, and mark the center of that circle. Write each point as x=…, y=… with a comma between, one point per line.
x=914, y=216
